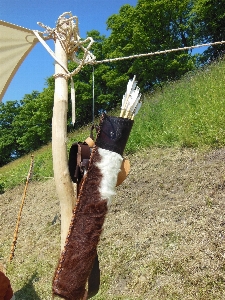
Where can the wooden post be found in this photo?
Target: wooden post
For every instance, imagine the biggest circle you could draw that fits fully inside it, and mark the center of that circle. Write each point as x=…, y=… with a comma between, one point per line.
x=64, y=185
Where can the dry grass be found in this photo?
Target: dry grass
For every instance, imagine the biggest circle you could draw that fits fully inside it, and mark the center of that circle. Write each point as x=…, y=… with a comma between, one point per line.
x=165, y=234
x=163, y=238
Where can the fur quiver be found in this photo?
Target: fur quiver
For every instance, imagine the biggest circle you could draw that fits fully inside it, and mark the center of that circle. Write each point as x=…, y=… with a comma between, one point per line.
x=97, y=189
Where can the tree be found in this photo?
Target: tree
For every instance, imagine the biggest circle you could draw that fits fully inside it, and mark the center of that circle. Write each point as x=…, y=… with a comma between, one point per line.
x=152, y=26
x=32, y=126
x=8, y=144
x=210, y=16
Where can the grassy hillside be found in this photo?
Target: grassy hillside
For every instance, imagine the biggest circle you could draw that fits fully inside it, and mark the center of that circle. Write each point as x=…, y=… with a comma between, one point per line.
x=185, y=113
x=164, y=235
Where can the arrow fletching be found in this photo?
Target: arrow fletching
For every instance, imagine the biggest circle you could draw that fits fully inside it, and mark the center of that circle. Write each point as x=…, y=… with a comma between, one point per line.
x=131, y=100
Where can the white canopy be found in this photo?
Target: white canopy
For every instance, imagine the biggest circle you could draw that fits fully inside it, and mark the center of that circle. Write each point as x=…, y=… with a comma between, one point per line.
x=15, y=44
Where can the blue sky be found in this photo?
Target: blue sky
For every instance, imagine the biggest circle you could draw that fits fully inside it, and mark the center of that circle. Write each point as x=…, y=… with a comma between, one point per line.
x=92, y=14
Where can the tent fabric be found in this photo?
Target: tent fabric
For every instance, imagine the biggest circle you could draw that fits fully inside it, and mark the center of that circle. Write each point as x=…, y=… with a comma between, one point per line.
x=15, y=44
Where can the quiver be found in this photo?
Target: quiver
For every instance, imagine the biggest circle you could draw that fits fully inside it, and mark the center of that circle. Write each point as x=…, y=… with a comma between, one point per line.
x=95, y=194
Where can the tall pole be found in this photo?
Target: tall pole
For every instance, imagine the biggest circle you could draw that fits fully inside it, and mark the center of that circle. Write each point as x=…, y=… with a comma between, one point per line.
x=64, y=186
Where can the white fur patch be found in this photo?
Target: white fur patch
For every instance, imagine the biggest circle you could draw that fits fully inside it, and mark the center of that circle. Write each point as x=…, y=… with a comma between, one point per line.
x=109, y=165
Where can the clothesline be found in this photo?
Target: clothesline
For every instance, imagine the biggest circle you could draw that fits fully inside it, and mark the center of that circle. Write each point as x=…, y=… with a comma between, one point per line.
x=155, y=53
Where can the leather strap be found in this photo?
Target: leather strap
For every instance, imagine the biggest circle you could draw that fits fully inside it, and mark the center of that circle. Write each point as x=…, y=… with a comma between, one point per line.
x=94, y=279
x=78, y=161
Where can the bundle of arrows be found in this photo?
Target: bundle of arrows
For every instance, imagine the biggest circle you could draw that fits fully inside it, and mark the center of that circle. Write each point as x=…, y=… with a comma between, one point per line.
x=76, y=263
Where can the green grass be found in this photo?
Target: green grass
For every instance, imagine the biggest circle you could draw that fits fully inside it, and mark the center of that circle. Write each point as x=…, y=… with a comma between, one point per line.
x=15, y=173
x=186, y=113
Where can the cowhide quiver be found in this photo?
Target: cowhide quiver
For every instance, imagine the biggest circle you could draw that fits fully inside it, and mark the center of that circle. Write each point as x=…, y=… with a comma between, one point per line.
x=96, y=192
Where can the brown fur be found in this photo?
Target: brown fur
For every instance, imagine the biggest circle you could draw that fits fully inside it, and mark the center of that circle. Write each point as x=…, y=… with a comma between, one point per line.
x=86, y=226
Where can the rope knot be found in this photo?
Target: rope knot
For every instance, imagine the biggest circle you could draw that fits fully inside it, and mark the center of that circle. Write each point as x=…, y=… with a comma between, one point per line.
x=66, y=76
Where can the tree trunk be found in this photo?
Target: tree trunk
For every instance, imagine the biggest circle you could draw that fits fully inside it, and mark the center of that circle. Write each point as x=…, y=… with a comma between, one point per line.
x=64, y=185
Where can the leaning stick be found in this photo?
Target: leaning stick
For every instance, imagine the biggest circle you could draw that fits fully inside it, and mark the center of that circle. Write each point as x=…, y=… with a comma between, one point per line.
x=13, y=247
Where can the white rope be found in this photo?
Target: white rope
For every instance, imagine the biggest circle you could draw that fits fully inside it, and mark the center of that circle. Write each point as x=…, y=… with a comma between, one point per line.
x=156, y=53
x=73, y=101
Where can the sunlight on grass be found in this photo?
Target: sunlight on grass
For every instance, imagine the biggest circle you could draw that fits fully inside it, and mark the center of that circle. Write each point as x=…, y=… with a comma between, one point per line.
x=186, y=113
x=15, y=173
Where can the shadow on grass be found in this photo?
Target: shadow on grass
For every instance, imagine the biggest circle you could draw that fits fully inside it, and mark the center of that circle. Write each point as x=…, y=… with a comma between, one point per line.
x=28, y=292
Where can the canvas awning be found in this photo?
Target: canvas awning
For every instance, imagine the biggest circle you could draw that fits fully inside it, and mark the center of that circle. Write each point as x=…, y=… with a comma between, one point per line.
x=15, y=44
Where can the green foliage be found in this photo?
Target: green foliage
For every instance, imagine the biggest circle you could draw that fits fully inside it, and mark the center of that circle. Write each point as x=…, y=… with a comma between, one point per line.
x=8, y=144
x=210, y=19
x=26, y=125
x=32, y=125
x=150, y=27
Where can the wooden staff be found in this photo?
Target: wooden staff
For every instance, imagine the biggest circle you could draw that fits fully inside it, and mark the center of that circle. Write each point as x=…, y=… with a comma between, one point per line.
x=13, y=247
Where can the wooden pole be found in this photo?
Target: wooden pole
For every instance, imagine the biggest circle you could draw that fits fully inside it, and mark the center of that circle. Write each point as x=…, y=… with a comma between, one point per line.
x=64, y=186
x=13, y=247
